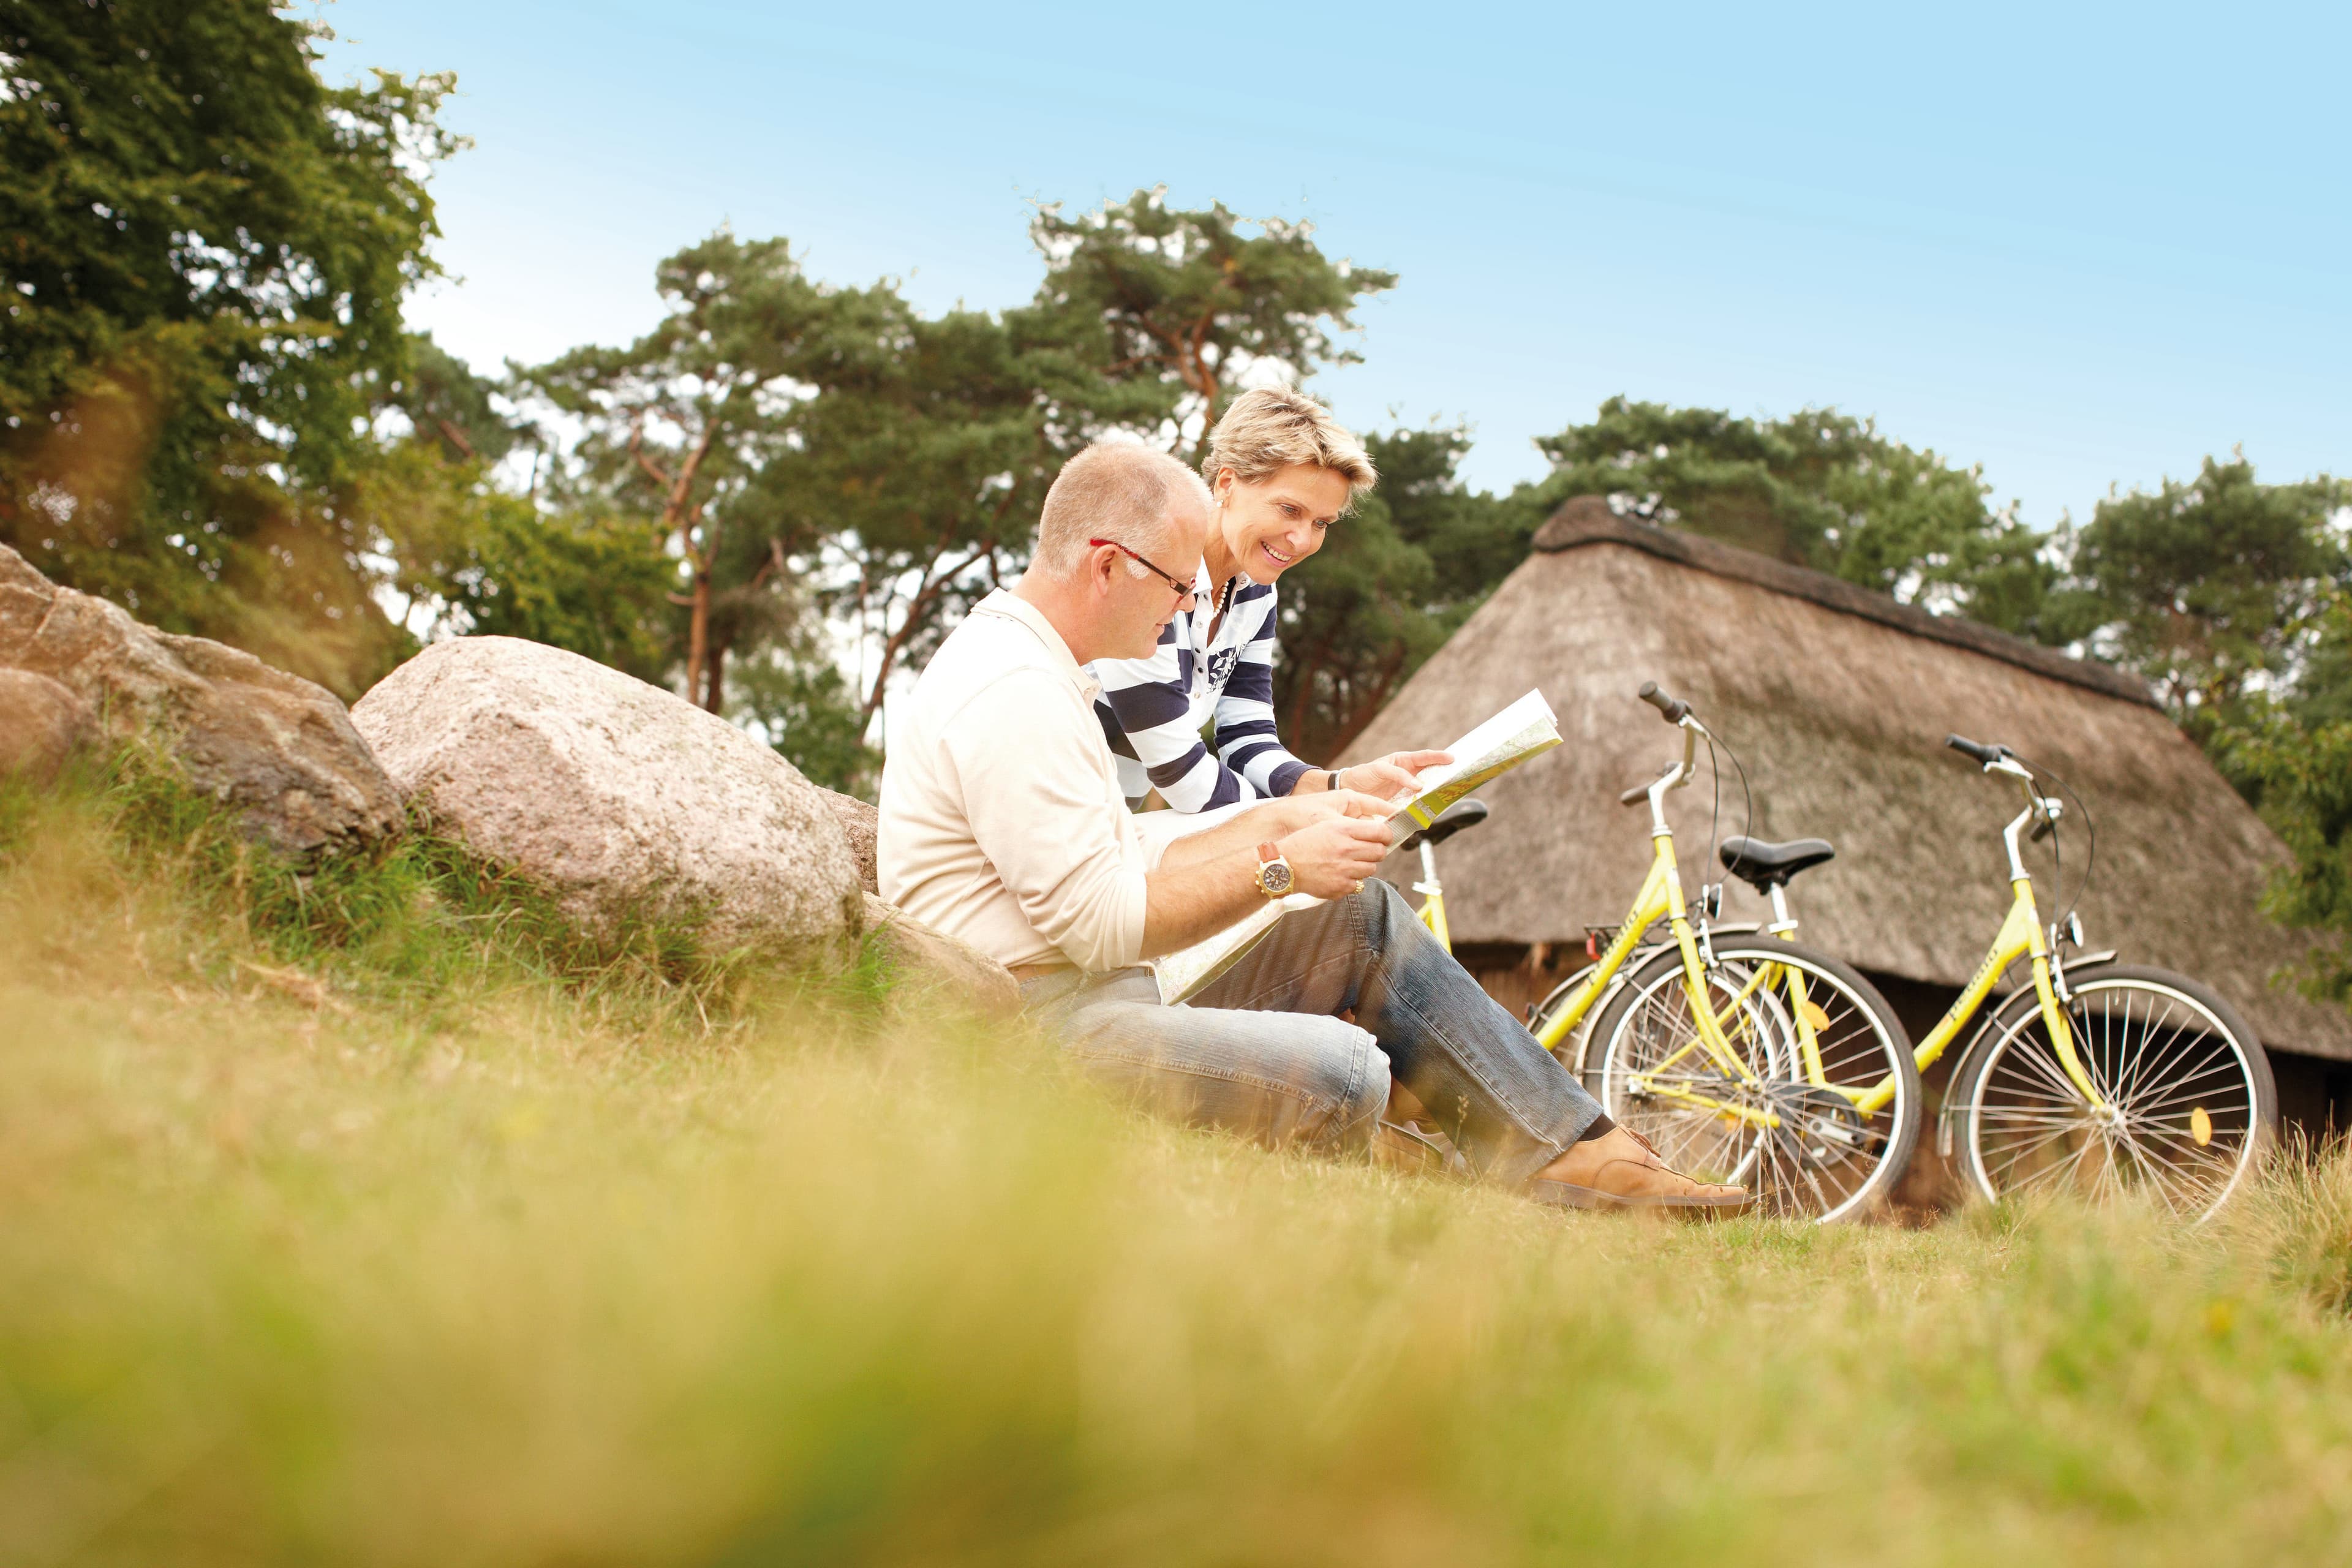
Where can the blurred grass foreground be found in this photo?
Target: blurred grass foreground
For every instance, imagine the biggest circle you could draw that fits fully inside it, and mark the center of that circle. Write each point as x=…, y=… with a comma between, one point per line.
x=375, y=1217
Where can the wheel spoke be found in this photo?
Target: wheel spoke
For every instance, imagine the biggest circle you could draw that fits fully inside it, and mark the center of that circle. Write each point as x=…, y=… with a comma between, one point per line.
x=2054, y=1171
x=2150, y=1063
x=2191, y=1091
x=2019, y=1152
x=2042, y=1058
x=2155, y=1064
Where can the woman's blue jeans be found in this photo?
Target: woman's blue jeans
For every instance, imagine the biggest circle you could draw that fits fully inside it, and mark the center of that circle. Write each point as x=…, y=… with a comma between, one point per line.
x=1261, y=1052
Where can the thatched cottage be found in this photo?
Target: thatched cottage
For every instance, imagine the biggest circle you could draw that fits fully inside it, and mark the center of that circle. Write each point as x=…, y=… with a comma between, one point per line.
x=1838, y=700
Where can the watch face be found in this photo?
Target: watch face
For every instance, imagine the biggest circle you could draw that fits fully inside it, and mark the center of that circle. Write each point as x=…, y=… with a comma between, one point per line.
x=1275, y=878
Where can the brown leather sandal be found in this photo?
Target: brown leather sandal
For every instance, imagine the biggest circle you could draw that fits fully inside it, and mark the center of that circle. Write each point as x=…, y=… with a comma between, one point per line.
x=1648, y=1184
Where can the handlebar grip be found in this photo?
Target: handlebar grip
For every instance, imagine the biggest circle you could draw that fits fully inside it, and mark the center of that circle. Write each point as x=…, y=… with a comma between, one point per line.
x=1634, y=796
x=1985, y=754
x=1672, y=709
x=2040, y=829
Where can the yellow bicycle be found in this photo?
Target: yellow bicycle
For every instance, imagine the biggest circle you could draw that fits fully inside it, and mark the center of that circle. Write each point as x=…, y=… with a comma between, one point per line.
x=2101, y=1078
x=1746, y=1058
x=1743, y=1057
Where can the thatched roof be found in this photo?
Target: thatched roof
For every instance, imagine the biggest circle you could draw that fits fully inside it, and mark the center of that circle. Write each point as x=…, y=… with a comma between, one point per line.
x=1838, y=700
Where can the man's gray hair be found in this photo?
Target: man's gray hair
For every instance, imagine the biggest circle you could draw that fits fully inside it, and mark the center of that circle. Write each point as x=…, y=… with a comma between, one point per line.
x=1114, y=489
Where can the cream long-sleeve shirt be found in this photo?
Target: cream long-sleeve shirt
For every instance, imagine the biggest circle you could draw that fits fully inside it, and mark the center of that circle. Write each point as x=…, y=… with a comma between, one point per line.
x=1003, y=821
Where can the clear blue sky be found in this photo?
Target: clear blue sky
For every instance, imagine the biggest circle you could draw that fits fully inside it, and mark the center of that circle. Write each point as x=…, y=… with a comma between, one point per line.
x=2079, y=245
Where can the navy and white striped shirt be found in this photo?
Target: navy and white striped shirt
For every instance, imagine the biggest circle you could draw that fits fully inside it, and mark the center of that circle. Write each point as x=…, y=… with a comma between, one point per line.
x=1152, y=710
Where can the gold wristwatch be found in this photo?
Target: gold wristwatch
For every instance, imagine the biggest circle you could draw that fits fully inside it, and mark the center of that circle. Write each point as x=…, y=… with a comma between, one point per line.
x=1274, y=878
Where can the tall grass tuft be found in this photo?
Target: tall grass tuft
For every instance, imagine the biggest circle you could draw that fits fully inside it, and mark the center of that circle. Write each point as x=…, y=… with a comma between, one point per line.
x=488, y=1249
x=418, y=921
x=2300, y=1219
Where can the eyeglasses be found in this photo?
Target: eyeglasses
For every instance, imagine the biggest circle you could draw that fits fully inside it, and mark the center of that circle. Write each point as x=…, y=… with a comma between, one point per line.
x=1184, y=590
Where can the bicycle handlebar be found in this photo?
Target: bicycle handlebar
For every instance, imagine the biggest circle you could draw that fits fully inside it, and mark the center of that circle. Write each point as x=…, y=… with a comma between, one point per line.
x=1985, y=754
x=1641, y=792
x=1672, y=710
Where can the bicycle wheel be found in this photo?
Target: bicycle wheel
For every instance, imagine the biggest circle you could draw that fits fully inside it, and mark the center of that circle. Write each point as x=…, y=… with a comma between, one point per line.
x=1791, y=1131
x=2191, y=1103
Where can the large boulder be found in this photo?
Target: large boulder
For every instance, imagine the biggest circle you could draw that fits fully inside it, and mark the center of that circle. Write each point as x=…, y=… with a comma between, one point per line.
x=41, y=724
x=273, y=745
x=621, y=798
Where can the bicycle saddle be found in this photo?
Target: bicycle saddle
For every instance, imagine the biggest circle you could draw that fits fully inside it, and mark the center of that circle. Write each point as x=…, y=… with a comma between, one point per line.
x=1763, y=865
x=1451, y=821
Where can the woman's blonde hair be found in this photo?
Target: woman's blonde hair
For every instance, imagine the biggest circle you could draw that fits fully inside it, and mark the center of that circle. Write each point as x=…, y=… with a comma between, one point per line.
x=1273, y=427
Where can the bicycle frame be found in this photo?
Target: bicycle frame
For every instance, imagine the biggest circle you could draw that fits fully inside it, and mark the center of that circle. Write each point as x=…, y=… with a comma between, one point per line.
x=1660, y=898
x=2020, y=936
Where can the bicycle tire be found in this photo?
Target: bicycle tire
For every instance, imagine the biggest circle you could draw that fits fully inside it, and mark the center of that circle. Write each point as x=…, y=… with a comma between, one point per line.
x=2023, y=1128
x=1825, y=1162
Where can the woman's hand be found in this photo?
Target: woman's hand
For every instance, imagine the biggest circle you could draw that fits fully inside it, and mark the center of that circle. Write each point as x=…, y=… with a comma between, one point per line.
x=1390, y=777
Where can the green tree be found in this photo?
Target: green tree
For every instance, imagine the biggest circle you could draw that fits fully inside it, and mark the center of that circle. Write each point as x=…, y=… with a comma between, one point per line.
x=472, y=558
x=913, y=485
x=793, y=695
x=804, y=445
x=1391, y=583
x=680, y=423
x=2208, y=588
x=444, y=402
x=205, y=249
x=1818, y=488
x=913, y=481
x=2293, y=755
x=2234, y=599
x=1171, y=308
x=475, y=560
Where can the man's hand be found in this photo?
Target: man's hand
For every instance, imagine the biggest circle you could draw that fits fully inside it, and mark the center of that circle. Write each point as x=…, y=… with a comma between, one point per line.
x=1332, y=858
x=1302, y=811
x=1208, y=880
x=1390, y=777
x=1273, y=820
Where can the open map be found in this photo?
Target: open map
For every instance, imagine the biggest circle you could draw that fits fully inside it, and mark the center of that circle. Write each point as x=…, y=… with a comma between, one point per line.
x=1519, y=731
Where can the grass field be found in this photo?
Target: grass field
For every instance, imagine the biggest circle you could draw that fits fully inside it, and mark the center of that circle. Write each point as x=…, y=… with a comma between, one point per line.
x=380, y=1220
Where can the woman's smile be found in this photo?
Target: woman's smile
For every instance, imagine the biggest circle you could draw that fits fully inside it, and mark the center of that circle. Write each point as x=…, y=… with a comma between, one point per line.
x=1267, y=526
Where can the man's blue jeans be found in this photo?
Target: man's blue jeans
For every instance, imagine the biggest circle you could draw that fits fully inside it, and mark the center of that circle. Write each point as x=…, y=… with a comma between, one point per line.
x=1261, y=1053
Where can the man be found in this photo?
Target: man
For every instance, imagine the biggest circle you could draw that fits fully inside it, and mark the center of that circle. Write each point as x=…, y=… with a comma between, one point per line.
x=1002, y=822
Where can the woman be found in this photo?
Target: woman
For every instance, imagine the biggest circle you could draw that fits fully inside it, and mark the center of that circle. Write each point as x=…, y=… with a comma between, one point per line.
x=1281, y=471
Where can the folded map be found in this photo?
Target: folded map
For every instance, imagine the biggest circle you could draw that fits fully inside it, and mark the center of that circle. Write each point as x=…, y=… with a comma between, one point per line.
x=1500, y=744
